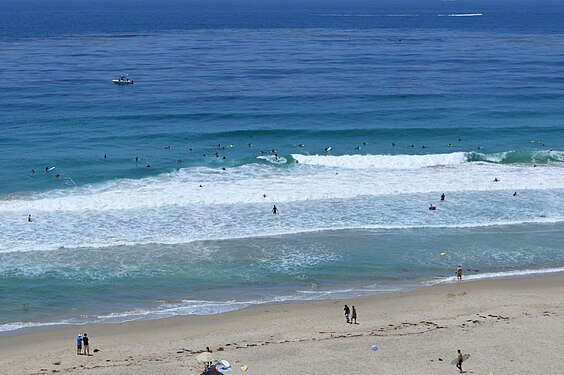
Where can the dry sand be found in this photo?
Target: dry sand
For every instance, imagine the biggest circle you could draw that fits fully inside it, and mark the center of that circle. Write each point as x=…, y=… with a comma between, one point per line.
x=507, y=326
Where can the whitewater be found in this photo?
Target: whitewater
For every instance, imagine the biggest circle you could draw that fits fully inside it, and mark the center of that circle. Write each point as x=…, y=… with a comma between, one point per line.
x=315, y=192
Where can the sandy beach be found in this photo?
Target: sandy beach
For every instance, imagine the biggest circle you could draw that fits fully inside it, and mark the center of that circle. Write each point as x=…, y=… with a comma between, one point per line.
x=507, y=326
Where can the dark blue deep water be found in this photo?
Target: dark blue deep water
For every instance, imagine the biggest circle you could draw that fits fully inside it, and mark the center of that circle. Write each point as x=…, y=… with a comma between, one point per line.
x=351, y=117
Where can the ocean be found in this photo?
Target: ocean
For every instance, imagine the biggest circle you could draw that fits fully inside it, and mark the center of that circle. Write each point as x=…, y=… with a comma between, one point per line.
x=155, y=199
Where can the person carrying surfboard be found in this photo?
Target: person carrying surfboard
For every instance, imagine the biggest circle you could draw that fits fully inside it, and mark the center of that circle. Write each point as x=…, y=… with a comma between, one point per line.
x=460, y=360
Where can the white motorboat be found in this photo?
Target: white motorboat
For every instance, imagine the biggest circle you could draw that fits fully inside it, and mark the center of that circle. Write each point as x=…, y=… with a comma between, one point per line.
x=123, y=80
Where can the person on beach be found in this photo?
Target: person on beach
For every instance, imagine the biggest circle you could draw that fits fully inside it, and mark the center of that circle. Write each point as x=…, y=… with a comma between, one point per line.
x=353, y=315
x=79, y=344
x=443, y=196
x=274, y=210
x=85, y=344
x=208, y=349
x=347, y=313
x=460, y=360
x=459, y=273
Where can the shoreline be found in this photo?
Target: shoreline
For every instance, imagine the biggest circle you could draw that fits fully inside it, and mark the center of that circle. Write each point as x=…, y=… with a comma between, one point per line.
x=508, y=275
x=477, y=313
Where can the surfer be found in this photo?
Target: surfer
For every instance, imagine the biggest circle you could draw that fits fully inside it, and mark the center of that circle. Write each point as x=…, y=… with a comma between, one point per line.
x=459, y=273
x=47, y=169
x=274, y=210
x=515, y=194
x=443, y=196
x=136, y=158
x=460, y=360
x=431, y=207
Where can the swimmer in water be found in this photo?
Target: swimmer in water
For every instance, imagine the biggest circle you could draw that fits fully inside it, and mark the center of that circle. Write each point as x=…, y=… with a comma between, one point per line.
x=148, y=165
x=105, y=156
x=496, y=180
x=264, y=195
x=443, y=196
x=33, y=171
x=431, y=207
x=29, y=220
x=137, y=158
x=274, y=210
x=515, y=194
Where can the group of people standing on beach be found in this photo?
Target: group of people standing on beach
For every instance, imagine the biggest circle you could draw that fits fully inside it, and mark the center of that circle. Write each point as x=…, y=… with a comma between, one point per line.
x=350, y=317
x=82, y=344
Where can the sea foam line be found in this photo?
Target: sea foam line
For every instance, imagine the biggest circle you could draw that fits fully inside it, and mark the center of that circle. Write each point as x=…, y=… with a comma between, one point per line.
x=461, y=15
x=183, y=241
x=496, y=275
x=195, y=307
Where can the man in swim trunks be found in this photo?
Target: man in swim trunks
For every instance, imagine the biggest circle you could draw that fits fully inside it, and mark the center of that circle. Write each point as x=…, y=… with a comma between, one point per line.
x=459, y=273
x=460, y=360
x=347, y=312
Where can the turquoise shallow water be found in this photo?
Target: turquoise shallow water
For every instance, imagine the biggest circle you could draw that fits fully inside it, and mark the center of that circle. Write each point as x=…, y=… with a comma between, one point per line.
x=235, y=115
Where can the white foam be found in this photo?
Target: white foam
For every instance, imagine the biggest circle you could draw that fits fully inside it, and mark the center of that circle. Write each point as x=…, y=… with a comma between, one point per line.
x=385, y=162
x=320, y=193
x=496, y=275
x=461, y=15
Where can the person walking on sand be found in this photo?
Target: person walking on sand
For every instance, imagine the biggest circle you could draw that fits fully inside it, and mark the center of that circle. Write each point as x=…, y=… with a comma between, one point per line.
x=347, y=312
x=353, y=315
x=79, y=344
x=460, y=360
x=85, y=344
x=274, y=210
x=459, y=273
